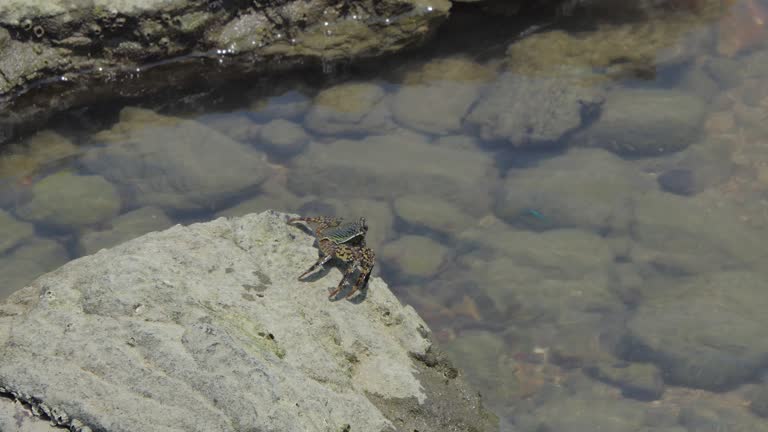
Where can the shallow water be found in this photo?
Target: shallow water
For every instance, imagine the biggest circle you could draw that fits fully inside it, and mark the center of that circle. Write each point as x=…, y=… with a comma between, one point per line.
x=579, y=213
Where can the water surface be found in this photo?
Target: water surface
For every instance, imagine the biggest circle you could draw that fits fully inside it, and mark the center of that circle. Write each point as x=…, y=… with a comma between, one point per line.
x=578, y=211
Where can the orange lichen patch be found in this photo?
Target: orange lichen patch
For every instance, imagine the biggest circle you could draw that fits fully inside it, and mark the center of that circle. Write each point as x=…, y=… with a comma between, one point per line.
x=742, y=28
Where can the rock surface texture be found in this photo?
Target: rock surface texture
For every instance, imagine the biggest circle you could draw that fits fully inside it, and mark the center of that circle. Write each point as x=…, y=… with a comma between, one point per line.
x=82, y=48
x=205, y=327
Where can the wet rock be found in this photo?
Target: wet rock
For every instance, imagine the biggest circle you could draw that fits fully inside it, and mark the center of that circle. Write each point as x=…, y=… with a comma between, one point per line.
x=284, y=200
x=289, y=105
x=210, y=328
x=645, y=122
x=239, y=127
x=523, y=111
x=544, y=277
x=420, y=103
x=58, y=39
x=534, y=294
x=43, y=150
x=13, y=231
x=584, y=413
x=589, y=189
x=432, y=213
x=703, y=331
x=629, y=49
x=167, y=162
x=459, y=142
x=755, y=64
x=283, y=138
x=28, y=261
x=678, y=181
x=125, y=227
x=414, y=256
x=705, y=164
x=712, y=416
x=489, y=363
x=426, y=109
x=458, y=69
x=669, y=241
x=381, y=167
x=349, y=108
x=95, y=200
x=637, y=381
x=758, y=399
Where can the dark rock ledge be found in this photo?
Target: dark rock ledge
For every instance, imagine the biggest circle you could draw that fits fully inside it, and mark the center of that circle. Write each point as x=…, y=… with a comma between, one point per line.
x=205, y=328
x=56, y=54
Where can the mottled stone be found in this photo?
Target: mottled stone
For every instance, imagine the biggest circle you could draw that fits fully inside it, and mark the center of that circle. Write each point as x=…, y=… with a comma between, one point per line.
x=68, y=201
x=205, y=327
x=349, y=108
x=704, y=331
x=175, y=164
x=414, y=256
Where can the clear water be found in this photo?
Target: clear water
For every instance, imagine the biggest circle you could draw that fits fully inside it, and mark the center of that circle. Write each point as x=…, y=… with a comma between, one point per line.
x=578, y=210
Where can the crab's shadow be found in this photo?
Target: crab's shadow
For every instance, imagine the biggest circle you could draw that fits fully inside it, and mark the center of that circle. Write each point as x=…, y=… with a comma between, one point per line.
x=357, y=298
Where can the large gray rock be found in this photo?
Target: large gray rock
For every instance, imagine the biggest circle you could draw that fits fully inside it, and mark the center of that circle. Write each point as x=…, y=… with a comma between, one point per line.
x=205, y=328
x=97, y=200
x=84, y=46
x=426, y=108
x=704, y=332
x=527, y=111
x=590, y=189
x=356, y=108
x=646, y=122
x=386, y=166
x=175, y=164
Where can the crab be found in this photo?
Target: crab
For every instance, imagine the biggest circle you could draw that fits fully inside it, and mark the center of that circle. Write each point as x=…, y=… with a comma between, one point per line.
x=343, y=241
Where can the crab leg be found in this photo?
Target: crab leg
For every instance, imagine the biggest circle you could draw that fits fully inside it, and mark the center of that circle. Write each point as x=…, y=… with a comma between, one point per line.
x=316, y=266
x=365, y=271
x=318, y=220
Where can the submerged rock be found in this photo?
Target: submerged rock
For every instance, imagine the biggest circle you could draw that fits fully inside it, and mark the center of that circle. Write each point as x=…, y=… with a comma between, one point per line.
x=415, y=256
x=283, y=138
x=386, y=166
x=704, y=331
x=426, y=108
x=526, y=111
x=125, y=227
x=646, y=122
x=359, y=108
x=590, y=189
x=68, y=201
x=175, y=164
x=29, y=260
x=205, y=328
x=12, y=231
